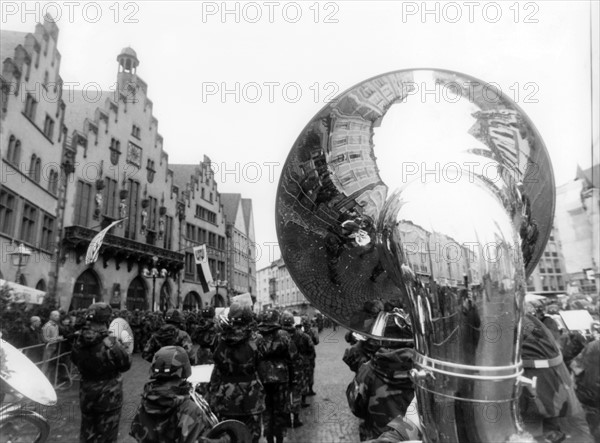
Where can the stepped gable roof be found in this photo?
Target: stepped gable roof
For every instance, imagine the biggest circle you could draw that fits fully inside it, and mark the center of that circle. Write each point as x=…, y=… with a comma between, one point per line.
x=182, y=174
x=9, y=40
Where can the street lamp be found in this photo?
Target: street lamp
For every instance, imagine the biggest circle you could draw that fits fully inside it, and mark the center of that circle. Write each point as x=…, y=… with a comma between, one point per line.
x=219, y=284
x=154, y=273
x=19, y=259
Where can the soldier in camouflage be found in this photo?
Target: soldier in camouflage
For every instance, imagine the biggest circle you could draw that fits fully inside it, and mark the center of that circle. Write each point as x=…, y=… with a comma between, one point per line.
x=170, y=334
x=360, y=352
x=306, y=324
x=205, y=336
x=299, y=367
x=167, y=412
x=236, y=391
x=100, y=360
x=278, y=352
x=381, y=390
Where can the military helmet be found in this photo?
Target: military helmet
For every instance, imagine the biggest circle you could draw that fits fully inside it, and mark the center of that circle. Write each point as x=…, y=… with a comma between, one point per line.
x=169, y=362
x=208, y=312
x=240, y=314
x=99, y=313
x=174, y=316
x=287, y=319
x=269, y=316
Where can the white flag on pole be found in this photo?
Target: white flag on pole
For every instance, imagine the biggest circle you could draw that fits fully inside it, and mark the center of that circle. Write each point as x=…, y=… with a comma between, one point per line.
x=96, y=243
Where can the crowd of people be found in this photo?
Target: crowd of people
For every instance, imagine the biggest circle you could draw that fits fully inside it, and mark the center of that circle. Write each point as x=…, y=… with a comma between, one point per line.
x=263, y=368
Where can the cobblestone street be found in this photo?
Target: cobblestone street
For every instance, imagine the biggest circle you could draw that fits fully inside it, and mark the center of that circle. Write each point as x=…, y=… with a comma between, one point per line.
x=328, y=418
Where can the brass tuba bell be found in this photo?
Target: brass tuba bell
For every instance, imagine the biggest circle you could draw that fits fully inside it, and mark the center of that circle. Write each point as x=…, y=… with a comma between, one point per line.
x=441, y=212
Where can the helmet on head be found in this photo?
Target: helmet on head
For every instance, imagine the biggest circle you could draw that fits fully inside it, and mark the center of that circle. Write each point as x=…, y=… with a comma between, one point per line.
x=208, y=312
x=174, y=316
x=170, y=362
x=287, y=319
x=240, y=314
x=269, y=316
x=99, y=313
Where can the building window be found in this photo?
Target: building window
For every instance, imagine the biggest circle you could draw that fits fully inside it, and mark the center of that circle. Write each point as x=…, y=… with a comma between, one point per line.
x=83, y=199
x=53, y=182
x=47, y=232
x=35, y=168
x=132, y=204
x=13, y=152
x=168, y=232
x=110, y=198
x=7, y=211
x=28, y=223
x=30, y=107
x=135, y=131
x=190, y=264
x=46, y=79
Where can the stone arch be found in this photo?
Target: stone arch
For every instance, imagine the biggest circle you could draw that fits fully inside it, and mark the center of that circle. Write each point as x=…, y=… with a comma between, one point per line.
x=86, y=290
x=192, y=301
x=137, y=294
x=41, y=285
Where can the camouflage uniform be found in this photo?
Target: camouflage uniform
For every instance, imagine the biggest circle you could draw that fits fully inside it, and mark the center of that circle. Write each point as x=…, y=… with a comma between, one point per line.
x=205, y=336
x=167, y=412
x=313, y=355
x=169, y=335
x=381, y=390
x=360, y=353
x=555, y=394
x=100, y=360
x=299, y=367
x=278, y=351
x=236, y=391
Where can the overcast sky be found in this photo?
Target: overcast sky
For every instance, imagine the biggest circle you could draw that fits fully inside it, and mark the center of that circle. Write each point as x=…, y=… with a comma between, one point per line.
x=281, y=62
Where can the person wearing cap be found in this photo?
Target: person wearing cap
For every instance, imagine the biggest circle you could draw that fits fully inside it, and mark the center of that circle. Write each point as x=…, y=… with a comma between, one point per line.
x=169, y=334
x=100, y=360
x=205, y=336
x=167, y=412
x=278, y=352
x=236, y=391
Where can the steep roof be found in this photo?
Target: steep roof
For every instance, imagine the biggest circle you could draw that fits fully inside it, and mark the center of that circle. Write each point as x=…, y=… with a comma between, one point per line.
x=79, y=107
x=182, y=174
x=247, y=208
x=9, y=40
x=231, y=203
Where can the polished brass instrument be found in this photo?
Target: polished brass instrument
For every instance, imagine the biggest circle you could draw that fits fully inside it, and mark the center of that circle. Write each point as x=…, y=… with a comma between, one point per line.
x=441, y=212
x=21, y=379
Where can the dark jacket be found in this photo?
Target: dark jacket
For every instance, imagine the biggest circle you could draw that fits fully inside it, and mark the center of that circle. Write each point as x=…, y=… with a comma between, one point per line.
x=167, y=413
x=381, y=390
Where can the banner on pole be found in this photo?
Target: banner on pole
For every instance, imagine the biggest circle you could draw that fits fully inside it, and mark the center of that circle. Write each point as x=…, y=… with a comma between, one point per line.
x=201, y=258
x=96, y=243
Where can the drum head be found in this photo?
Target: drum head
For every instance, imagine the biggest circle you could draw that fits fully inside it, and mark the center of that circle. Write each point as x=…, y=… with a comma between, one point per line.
x=23, y=376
